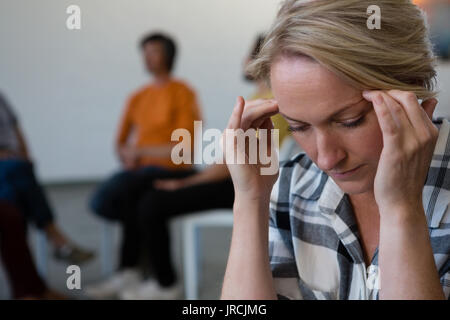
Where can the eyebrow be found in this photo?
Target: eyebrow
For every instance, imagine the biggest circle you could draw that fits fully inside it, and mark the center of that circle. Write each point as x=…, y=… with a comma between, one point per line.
x=331, y=116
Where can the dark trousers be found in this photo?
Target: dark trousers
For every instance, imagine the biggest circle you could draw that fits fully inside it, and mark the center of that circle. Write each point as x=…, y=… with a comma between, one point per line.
x=156, y=208
x=16, y=256
x=19, y=186
x=130, y=197
x=118, y=198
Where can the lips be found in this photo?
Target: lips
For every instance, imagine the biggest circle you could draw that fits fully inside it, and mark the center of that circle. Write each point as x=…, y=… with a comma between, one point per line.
x=345, y=174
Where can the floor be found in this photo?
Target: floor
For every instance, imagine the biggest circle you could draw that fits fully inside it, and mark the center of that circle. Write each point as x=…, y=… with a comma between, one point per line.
x=70, y=204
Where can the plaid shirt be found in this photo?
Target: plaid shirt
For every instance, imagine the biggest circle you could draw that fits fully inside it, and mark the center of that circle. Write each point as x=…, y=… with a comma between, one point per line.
x=313, y=237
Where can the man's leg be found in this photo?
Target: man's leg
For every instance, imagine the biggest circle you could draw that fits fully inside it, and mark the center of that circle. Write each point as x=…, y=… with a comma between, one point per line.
x=117, y=199
x=24, y=191
x=16, y=256
x=156, y=208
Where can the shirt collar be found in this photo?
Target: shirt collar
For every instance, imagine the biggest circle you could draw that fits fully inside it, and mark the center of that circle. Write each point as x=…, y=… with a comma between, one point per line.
x=315, y=185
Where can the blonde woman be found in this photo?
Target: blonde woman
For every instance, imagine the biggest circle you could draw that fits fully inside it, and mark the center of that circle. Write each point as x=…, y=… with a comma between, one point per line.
x=363, y=213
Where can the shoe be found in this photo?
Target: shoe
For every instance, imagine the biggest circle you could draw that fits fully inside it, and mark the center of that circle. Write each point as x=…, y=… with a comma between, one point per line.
x=73, y=254
x=109, y=289
x=151, y=290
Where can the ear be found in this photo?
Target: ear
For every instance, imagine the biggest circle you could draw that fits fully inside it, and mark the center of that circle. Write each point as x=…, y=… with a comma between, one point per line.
x=429, y=106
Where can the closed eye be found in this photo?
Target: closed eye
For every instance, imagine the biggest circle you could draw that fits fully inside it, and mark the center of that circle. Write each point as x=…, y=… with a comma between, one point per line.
x=348, y=124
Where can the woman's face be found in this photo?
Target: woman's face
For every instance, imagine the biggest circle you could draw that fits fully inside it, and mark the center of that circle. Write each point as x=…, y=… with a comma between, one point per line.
x=331, y=121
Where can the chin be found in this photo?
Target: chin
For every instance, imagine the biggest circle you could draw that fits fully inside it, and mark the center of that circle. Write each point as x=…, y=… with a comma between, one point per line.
x=355, y=187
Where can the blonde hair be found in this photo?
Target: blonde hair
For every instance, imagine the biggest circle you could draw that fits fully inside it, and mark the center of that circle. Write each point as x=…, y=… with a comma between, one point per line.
x=335, y=34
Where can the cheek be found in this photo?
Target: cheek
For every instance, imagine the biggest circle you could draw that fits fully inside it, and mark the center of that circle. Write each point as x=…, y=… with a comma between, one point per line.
x=370, y=140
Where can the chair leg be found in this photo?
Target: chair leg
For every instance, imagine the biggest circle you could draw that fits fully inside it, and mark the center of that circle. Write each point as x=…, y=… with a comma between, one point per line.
x=42, y=254
x=189, y=261
x=106, y=249
x=198, y=254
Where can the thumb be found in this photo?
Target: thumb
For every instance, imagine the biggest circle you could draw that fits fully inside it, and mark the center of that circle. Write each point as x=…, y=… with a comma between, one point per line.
x=429, y=106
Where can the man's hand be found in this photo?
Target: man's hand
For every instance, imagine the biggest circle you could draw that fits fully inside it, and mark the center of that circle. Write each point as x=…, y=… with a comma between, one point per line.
x=129, y=156
x=170, y=184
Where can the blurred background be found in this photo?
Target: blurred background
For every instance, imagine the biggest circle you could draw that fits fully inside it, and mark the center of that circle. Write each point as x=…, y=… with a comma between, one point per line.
x=69, y=87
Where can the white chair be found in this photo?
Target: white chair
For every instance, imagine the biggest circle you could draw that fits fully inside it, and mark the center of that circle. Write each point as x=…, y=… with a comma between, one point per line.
x=191, y=226
x=41, y=252
x=106, y=248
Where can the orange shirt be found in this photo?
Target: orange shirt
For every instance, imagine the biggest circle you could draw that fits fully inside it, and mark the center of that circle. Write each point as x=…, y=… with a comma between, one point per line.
x=153, y=113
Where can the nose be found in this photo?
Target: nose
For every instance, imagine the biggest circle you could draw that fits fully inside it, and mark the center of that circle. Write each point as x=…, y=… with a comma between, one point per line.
x=329, y=151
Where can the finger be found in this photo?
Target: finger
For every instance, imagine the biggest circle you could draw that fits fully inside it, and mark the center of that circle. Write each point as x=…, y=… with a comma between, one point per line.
x=428, y=108
x=385, y=118
x=236, y=115
x=268, y=125
x=259, y=122
x=398, y=112
x=255, y=115
x=413, y=110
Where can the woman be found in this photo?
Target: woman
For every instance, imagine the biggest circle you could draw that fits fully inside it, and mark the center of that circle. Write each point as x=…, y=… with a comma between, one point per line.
x=351, y=218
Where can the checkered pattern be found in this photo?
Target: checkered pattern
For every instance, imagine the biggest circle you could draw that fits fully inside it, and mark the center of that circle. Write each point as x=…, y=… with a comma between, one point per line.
x=313, y=237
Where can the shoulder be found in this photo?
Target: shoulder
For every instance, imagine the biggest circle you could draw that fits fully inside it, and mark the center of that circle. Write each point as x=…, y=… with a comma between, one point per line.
x=138, y=93
x=182, y=87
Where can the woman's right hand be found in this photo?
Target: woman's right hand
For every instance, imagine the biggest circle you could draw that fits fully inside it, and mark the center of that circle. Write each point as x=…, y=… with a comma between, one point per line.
x=249, y=183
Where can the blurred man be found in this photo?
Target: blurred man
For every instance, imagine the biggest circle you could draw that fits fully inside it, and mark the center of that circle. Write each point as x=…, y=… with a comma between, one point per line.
x=144, y=148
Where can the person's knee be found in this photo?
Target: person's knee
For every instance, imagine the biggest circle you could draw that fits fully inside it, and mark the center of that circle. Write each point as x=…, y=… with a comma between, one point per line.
x=103, y=201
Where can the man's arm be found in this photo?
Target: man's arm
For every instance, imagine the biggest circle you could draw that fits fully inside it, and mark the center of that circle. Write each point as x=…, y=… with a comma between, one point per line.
x=213, y=173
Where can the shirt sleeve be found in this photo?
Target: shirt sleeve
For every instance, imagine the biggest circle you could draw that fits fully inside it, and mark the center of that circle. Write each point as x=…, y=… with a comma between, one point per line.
x=188, y=111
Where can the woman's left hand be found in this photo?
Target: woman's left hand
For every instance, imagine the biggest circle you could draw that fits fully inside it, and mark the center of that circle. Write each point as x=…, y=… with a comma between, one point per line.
x=409, y=139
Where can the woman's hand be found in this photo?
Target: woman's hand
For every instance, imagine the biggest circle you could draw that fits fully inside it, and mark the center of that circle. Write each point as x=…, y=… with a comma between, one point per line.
x=249, y=183
x=409, y=139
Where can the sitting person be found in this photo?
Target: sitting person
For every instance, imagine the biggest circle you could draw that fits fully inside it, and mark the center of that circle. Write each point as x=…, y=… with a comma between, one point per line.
x=24, y=281
x=19, y=186
x=208, y=189
x=144, y=148
x=364, y=212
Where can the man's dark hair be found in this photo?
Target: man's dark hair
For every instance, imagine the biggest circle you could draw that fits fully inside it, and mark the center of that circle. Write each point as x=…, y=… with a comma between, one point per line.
x=170, y=48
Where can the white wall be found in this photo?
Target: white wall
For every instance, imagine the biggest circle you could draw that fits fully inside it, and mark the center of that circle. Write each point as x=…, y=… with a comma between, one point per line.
x=69, y=87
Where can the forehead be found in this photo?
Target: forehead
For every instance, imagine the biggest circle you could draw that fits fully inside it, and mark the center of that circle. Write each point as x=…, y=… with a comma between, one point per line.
x=302, y=86
x=152, y=46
